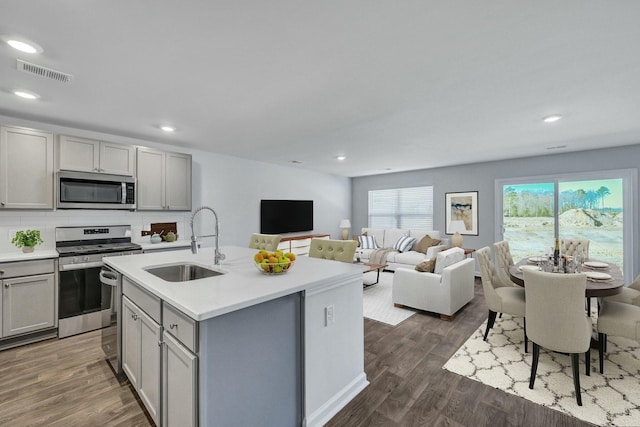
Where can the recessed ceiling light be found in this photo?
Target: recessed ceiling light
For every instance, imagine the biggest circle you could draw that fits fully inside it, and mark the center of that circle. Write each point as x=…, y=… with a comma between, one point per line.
x=168, y=128
x=25, y=94
x=22, y=45
x=341, y=158
x=552, y=118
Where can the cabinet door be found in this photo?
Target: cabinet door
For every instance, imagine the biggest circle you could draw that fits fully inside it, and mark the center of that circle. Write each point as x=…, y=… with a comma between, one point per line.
x=131, y=341
x=178, y=182
x=117, y=159
x=151, y=179
x=26, y=169
x=28, y=304
x=179, y=384
x=78, y=154
x=149, y=378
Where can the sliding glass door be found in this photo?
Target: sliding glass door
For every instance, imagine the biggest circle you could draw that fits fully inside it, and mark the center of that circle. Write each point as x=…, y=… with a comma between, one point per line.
x=533, y=211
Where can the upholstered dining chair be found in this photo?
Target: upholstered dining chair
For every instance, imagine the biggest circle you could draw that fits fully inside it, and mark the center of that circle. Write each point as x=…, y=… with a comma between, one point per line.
x=499, y=298
x=504, y=259
x=268, y=242
x=619, y=319
x=338, y=250
x=629, y=294
x=556, y=319
x=570, y=246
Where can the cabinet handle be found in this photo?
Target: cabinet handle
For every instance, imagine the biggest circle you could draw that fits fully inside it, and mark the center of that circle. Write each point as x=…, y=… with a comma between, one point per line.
x=173, y=325
x=6, y=285
x=134, y=316
x=1, y=203
x=1, y=271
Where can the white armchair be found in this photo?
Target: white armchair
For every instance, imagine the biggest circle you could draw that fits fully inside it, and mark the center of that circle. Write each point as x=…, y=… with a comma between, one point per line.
x=443, y=293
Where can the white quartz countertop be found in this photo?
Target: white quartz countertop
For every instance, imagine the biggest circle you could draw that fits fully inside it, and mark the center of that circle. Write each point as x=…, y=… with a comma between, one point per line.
x=241, y=286
x=178, y=244
x=18, y=255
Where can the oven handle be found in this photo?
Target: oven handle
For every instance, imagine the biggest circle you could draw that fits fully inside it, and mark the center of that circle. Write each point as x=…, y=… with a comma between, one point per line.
x=109, y=277
x=81, y=266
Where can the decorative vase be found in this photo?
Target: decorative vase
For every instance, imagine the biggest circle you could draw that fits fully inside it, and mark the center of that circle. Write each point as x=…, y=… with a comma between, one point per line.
x=27, y=249
x=456, y=240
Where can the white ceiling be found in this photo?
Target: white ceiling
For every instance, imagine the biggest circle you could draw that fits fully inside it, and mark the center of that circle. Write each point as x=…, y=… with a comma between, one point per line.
x=393, y=85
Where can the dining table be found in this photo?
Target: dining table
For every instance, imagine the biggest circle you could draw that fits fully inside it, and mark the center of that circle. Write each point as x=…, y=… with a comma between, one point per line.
x=595, y=288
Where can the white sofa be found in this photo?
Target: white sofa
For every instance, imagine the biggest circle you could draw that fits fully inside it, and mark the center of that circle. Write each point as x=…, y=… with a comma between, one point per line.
x=444, y=293
x=386, y=238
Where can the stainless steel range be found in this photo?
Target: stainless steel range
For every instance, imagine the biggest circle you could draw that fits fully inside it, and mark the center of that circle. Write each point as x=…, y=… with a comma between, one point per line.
x=83, y=303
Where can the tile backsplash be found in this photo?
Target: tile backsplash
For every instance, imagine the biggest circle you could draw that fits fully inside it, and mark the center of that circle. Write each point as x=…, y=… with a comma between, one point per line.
x=47, y=221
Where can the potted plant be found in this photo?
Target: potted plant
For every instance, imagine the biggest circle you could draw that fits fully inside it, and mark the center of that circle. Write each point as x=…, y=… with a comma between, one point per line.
x=27, y=240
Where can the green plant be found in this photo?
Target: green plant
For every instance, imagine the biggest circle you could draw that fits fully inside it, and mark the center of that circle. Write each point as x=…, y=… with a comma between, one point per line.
x=29, y=238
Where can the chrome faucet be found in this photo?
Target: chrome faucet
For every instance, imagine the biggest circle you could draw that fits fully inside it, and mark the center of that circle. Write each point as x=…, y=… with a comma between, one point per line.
x=218, y=256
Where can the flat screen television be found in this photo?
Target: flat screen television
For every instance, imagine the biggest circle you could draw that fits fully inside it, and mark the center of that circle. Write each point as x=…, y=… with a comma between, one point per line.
x=285, y=216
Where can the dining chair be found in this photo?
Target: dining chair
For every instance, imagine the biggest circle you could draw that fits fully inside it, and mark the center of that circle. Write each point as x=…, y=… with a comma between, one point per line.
x=570, y=246
x=499, y=298
x=268, y=242
x=505, y=260
x=338, y=250
x=619, y=319
x=628, y=294
x=556, y=319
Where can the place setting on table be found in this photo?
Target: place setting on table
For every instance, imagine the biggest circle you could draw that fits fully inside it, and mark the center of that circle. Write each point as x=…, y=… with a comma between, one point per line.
x=603, y=279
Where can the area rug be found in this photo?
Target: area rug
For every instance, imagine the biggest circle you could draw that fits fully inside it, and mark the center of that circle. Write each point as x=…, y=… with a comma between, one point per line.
x=612, y=399
x=376, y=300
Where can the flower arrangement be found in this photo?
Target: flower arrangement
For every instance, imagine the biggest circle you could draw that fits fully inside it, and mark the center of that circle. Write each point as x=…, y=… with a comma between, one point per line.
x=27, y=240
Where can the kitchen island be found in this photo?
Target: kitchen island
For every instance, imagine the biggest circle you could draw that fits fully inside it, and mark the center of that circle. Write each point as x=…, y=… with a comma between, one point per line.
x=282, y=350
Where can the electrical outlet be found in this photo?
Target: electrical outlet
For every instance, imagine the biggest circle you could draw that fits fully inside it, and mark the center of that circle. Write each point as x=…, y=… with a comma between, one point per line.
x=329, y=315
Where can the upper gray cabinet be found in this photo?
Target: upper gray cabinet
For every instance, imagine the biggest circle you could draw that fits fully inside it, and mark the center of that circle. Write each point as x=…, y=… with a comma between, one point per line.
x=26, y=168
x=88, y=155
x=164, y=180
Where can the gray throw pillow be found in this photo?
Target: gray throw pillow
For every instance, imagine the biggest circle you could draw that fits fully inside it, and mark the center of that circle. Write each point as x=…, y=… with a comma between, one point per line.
x=425, y=243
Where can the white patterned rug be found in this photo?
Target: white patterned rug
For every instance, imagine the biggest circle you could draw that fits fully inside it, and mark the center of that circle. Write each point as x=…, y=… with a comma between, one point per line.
x=612, y=399
x=376, y=300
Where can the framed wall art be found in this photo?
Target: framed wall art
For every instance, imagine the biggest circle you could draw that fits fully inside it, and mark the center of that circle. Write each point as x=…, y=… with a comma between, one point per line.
x=461, y=213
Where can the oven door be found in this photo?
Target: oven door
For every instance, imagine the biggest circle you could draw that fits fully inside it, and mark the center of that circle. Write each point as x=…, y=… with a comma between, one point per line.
x=83, y=303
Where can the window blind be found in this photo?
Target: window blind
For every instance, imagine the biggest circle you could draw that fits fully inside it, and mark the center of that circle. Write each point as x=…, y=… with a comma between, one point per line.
x=401, y=208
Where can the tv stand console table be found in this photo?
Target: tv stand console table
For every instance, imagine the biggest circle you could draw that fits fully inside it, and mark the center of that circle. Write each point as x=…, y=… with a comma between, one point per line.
x=299, y=245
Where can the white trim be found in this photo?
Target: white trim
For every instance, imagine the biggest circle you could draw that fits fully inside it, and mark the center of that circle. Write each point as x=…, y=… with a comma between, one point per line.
x=331, y=407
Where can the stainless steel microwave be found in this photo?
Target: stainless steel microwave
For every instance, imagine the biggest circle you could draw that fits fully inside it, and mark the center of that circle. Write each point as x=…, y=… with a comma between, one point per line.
x=86, y=190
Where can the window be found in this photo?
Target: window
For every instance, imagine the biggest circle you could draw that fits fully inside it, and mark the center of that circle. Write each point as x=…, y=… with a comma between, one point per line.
x=579, y=206
x=401, y=208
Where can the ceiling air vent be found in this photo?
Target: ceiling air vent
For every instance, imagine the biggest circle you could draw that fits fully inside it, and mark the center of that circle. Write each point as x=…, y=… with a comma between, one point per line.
x=41, y=71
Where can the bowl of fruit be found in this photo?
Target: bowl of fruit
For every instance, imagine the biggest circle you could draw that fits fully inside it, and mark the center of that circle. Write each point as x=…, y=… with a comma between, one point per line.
x=277, y=262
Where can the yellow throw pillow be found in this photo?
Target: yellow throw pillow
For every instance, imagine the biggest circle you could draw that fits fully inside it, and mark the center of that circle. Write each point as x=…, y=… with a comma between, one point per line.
x=425, y=243
x=426, y=266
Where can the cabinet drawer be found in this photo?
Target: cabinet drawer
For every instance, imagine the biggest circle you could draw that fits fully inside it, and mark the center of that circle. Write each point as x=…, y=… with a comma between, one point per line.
x=180, y=326
x=149, y=303
x=26, y=268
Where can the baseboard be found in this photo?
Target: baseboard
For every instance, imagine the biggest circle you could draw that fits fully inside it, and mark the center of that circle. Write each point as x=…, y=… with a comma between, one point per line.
x=327, y=411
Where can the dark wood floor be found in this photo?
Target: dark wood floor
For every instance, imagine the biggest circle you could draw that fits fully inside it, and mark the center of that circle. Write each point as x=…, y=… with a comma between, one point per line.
x=408, y=386
x=68, y=383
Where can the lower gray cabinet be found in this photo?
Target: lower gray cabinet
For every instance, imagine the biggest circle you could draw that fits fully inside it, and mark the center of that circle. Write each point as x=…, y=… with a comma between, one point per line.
x=179, y=384
x=28, y=297
x=141, y=355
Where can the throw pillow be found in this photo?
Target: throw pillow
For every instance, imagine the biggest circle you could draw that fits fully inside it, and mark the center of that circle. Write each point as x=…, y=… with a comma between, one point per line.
x=405, y=243
x=426, y=266
x=425, y=243
x=357, y=237
x=367, y=242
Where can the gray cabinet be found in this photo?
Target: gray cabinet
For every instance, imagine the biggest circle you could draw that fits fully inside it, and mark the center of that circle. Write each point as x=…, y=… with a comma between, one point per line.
x=26, y=168
x=29, y=297
x=179, y=384
x=141, y=340
x=164, y=180
x=88, y=155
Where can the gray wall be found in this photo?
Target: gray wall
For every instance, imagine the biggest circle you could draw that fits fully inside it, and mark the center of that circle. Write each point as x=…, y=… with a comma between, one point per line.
x=481, y=177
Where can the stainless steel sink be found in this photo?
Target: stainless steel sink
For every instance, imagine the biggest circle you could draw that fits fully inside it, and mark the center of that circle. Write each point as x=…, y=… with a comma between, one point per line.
x=182, y=272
